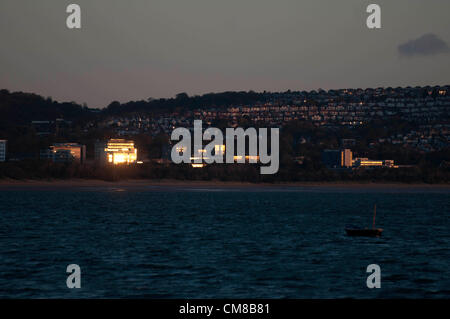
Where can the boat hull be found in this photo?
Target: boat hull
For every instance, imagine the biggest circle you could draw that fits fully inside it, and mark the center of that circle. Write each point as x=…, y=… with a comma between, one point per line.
x=364, y=232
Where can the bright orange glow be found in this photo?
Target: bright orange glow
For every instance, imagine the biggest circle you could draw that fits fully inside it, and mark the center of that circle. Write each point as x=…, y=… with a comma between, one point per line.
x=252, y=157
x=121, y=152
x=371, y=163
x=247, y=157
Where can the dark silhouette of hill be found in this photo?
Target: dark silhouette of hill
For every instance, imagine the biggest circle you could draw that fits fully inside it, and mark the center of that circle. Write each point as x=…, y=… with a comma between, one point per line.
x=18, y=108
x=182, y=100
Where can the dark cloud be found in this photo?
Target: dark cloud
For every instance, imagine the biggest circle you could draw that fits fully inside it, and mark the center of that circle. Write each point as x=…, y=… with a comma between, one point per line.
x=428, y=44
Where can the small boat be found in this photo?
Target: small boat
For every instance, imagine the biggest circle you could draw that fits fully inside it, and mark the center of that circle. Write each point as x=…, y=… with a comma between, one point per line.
x=365, y=232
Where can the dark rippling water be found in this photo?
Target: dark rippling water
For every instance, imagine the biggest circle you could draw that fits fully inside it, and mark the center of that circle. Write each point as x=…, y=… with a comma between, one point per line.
x=242, y=243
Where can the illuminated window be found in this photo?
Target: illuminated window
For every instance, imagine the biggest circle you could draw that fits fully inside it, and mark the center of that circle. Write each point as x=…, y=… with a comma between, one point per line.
x=219, y=149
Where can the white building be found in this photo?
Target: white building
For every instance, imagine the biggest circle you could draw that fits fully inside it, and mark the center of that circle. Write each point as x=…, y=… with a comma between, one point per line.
x=2, y=150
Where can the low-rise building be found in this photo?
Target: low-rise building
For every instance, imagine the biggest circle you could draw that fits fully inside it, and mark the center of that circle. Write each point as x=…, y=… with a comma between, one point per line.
x=365, y=162
x=340, y=159
x=120, y=151
x=78, y=151
x=337, y=158
x=64, y=153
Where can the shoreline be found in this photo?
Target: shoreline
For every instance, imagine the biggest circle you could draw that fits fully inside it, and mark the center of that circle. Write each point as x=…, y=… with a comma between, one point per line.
x=88, y=183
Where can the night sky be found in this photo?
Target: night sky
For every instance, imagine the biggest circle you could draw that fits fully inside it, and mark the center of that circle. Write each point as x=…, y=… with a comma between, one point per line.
x=136, y=49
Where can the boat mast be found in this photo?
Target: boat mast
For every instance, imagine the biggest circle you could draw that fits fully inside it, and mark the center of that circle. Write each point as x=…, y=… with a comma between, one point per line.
x=374, y=214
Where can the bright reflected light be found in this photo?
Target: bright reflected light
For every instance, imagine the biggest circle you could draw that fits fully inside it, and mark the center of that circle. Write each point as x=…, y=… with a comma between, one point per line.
x=121, y=151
